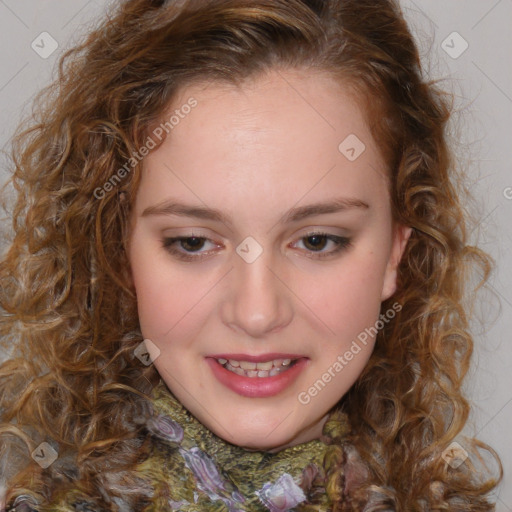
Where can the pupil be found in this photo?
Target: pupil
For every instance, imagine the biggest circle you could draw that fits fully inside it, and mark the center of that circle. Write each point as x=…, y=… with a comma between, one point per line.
x=196, y=242
x=315, y=237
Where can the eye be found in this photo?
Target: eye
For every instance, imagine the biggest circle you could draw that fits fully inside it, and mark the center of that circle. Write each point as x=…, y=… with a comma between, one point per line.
x=191, y=245
x=318, y=240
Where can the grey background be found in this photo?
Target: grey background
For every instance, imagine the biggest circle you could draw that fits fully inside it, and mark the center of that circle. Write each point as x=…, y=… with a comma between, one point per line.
x=480, y=79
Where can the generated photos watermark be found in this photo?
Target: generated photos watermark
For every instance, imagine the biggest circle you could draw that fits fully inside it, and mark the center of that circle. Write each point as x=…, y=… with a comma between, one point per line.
x=151, y=142
x=344, y=359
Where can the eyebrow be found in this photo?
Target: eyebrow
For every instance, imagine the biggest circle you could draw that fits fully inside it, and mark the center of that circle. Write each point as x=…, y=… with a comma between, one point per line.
x=170, y=207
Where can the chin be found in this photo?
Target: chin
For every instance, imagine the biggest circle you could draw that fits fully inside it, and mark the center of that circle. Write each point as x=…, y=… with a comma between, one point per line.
x=255, y=442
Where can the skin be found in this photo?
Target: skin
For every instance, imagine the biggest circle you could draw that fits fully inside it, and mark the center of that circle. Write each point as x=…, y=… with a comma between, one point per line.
x=254, y=152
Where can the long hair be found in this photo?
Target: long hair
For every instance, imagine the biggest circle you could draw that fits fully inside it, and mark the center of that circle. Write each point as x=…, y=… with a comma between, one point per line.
x=69, y=320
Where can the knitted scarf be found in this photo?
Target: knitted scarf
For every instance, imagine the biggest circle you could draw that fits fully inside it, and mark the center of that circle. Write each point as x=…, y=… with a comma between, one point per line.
x=190, y=469
x=194, y=470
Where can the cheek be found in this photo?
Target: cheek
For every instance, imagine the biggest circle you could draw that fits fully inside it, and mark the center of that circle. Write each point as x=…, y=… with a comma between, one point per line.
x=162, y=297
x=349, y=294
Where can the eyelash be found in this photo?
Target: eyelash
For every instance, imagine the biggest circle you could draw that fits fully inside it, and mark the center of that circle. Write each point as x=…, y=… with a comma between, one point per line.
x=342, y=244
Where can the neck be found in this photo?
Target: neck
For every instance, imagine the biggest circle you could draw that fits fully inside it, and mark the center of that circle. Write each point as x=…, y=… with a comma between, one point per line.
x=307, y=434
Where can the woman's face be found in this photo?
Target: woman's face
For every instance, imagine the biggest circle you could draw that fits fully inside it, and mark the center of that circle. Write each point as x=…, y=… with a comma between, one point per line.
x=247, y=178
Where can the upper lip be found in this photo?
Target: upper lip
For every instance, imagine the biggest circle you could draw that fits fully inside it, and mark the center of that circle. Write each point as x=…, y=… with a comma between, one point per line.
x=257, y=359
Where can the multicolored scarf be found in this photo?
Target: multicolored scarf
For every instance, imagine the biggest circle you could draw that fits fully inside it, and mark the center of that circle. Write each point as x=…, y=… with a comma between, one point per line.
x=198, y=471
x=190, y=469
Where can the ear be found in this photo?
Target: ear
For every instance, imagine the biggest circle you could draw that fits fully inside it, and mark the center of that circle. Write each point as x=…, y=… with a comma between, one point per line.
x=401, y=235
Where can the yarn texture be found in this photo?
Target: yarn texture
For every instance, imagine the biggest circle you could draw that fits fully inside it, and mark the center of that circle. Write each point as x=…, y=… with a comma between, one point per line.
x=190, y=469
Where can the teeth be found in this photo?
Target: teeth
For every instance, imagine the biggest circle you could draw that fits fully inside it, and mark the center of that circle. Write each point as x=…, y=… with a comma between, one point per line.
x=238, y=371
x=246, y=365
x=249, y=365
x=251, y=369
x=265, y=366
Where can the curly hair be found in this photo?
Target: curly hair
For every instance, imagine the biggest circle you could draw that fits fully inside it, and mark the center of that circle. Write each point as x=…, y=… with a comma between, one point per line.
x=69, y=319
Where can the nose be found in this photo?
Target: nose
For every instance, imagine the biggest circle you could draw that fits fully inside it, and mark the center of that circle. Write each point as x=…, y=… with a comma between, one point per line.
x=259, y=298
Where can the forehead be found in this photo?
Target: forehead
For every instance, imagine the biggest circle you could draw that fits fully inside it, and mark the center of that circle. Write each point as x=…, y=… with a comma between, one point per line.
x=309, y=102
x=286, y=132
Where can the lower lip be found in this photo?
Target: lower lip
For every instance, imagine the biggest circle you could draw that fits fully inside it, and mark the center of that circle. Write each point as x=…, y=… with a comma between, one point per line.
x=257, y=387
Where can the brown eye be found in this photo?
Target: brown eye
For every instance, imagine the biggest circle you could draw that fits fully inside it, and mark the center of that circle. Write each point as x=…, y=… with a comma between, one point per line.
x=189, y=245
x=192, y=243
x=316, y=242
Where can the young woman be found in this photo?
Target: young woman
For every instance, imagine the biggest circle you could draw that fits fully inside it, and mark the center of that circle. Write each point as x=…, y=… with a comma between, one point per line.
x=237, y=273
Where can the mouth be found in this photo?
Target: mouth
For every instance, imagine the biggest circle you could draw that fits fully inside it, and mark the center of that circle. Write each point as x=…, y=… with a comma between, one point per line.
x=263, y=376
x=256, y=370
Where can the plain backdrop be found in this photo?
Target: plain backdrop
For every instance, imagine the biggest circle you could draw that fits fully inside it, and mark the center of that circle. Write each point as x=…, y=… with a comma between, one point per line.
x=466, y=44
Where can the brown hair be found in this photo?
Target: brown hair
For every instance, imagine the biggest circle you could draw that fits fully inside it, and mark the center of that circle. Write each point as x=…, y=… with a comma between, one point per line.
x=70, y=319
